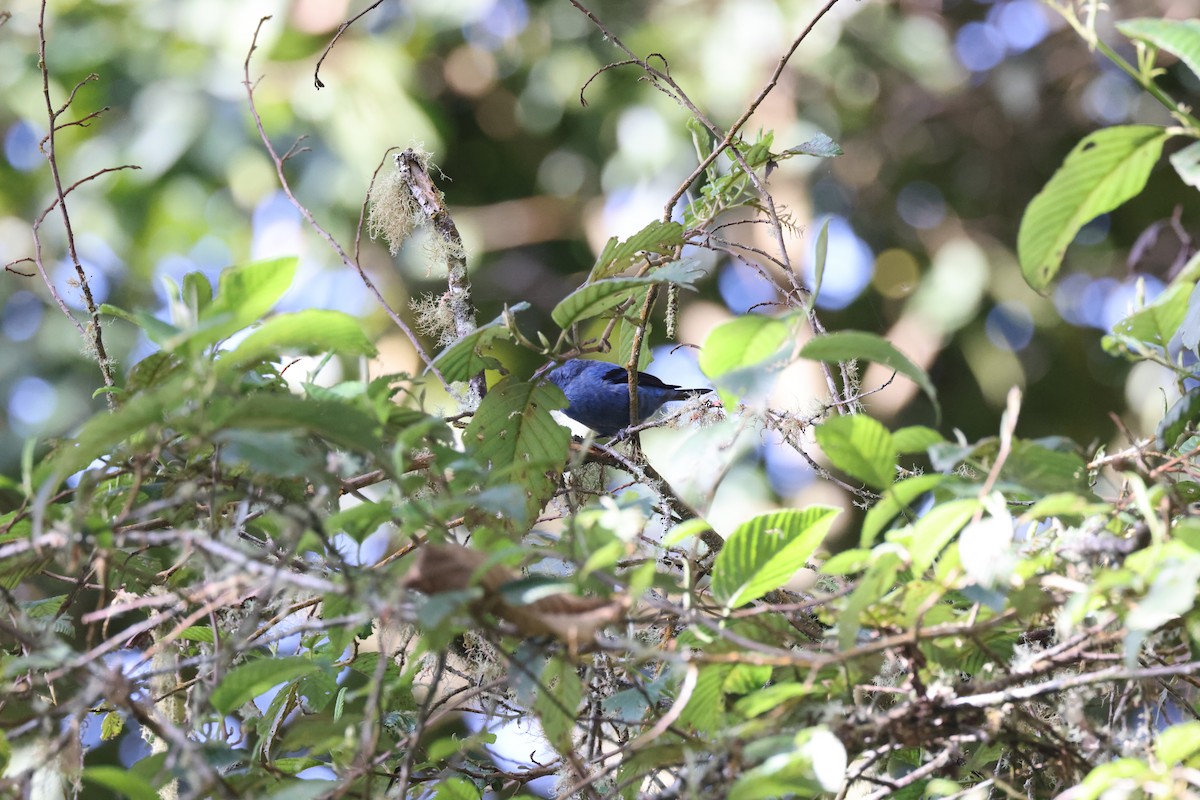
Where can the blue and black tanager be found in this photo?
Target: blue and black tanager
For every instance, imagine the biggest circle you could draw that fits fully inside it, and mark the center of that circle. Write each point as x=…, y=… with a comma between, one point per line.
x=598, y=394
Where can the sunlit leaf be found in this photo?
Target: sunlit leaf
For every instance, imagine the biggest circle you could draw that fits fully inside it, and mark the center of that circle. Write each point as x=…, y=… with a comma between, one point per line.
x=861, y=447
x=763, y=553
x=1103, y=171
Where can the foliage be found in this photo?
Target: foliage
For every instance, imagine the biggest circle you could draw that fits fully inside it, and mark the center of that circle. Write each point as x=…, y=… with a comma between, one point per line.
x=299, y=587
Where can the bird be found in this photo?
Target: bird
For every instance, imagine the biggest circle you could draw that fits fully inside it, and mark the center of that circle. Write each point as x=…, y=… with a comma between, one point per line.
x=598, y=394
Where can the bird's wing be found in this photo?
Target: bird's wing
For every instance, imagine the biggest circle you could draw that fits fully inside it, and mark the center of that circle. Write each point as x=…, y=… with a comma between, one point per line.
x=618, y=375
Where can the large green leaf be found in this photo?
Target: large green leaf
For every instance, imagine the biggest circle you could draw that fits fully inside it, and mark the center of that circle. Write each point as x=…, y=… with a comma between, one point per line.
x=248, y=291
x=766, y=551
x=657, y=237
x=558, y=701
x=312, y=331
x=860, y=447
x=514, y=434
x=465, y=358
x=1179, y=37
x=245, y=682
x=596, y=297
x=740, y=353
x=852, y=345
x=121, y=781
x=340, y=423
x=1103, y=171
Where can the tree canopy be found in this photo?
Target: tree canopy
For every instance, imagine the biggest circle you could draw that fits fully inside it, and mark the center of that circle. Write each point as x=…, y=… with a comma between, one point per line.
x=287, y=508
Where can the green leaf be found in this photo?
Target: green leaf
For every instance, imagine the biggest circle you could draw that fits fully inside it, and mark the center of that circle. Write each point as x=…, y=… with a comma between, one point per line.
x=456, y=789
x=657, y=237
x=860, y=447
x=820, y=254
x=300, y=789
x=877, y=581
x=930, y=534
x=513, y=433
x=816, y=766
x=896, y=498
x=706, y=707
x=558, y=701
x=1178, y=743
x=820, y=146
x=245, y=682
x=739, y=353
x=598, y=296
x=340, y=423
x=311, y=331
x=247, y=292
x=1103, y=171
x=1187, y=163
x=157, y=330
x=852, y=345
x=763, y=553
x=1042, y=467
x=102, y=433
x=1155, y=324
x=121, y=781
x=1179, y=37
x=915, y=439
x=111, y=726
x=465, y=358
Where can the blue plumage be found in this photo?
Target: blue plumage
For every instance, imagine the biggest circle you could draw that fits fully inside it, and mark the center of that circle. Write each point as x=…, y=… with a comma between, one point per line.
x=598, y=394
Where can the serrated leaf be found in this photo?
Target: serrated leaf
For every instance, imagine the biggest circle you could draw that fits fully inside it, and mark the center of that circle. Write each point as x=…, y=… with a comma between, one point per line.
x=851, y=345
x=558, y=701
x=763, y=553
x=860, y=447
x=245, y=682
x=1187, y=164
x=1179, y=37
x=311, y=331
x=465, y=358
x=617, y=256
x=1103, y=171
x=513, y=433
x=820, y=146
x=598, y=296
x=706, y=707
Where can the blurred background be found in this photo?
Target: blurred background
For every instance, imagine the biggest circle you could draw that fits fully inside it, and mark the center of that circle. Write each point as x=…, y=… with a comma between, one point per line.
x=952, y=115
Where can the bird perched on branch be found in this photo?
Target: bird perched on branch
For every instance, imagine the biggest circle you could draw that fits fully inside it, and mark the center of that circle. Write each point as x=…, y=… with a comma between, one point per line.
x=598, y=394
